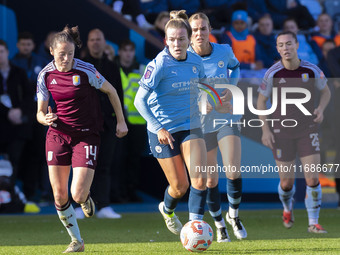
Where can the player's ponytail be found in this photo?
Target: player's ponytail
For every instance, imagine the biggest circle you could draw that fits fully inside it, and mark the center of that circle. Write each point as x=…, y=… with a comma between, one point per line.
x=69, y=34
x=179, y=19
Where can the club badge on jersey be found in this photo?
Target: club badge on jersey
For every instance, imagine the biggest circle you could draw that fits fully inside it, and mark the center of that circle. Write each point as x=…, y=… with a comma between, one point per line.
x=305, y=77
x=76, y=80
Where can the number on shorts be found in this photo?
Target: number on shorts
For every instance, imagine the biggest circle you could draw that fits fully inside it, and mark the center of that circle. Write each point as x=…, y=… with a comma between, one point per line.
x=315, y=141
x=91, y=150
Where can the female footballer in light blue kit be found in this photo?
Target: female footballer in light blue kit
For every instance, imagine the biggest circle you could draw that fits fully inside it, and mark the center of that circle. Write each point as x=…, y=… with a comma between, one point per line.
x=168, y=100
x=218, y=59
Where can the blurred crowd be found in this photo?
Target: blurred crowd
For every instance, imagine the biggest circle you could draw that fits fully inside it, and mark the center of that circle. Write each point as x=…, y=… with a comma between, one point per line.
x=249, y=26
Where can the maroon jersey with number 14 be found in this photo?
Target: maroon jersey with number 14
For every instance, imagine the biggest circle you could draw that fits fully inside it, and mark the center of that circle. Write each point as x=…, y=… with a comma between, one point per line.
x=76, y=101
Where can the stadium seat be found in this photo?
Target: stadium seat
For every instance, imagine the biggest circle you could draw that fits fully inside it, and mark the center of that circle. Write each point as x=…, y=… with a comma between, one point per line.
x=8, y=29
x=332, y=7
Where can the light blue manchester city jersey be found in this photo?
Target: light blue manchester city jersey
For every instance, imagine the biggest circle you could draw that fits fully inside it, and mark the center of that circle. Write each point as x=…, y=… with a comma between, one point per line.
x=174, y=96
x=216, y=67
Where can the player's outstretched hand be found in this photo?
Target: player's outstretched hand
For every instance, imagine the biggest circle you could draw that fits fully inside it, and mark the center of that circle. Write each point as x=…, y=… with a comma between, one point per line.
x=164, y=137
x=268, y=139
x=50, y=117
x=121, y=129
x=319, y=115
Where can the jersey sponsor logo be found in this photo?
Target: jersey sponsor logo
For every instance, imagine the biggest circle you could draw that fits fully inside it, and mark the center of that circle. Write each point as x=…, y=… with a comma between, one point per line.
x=194, y=69
x=49, y=155
x=158, y=149
x=90, y=163
x=282, y=81
x=278, y=153
x=76, y=80
x=305, y=77
x=220, y=64
x=53, y=82
x=148, y=72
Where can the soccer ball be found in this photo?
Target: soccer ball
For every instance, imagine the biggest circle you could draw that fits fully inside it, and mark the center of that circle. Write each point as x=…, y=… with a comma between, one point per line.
x=196, y=236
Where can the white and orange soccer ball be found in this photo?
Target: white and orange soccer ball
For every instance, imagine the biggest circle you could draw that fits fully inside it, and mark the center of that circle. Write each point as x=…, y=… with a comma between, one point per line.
x=196, y=236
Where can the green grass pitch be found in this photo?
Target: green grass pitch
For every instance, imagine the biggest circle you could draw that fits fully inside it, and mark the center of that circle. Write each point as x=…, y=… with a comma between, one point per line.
x=145, y=233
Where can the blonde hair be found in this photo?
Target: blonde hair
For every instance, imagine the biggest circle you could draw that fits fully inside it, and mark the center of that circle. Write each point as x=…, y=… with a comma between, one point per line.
x=179, y=19
x=200, y=15
x=69, y=34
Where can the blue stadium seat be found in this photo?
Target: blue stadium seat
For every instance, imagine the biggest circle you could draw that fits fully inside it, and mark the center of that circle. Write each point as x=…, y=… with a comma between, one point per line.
x=8, y=29
x=332, y=7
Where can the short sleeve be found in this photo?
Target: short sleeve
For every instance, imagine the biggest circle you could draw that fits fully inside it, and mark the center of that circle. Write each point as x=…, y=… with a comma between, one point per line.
x=42, y=91
x=266, y=85
x=152, y=76
x=96, y=79
x=320, y=79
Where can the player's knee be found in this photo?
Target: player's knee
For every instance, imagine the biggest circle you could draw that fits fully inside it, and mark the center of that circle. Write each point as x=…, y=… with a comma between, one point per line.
x=79, y=197
x=200, y=184
x=212, y=182
x=312, y=182
x=180, y=189
x=286, y=186
x=60, y=197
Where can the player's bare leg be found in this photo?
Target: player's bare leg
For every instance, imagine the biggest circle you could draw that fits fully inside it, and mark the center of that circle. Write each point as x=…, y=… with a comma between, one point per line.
x=80, y=189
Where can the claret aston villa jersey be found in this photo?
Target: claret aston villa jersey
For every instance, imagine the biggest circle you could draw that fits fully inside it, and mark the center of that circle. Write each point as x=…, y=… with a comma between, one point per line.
x=307, y=76
x=74, y=92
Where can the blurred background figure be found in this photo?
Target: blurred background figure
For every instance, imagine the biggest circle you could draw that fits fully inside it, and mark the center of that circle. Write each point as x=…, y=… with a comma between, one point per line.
x=159, y=25
x=101, y=186
x=134, y=144
x=153, y=8
x=16, y=110
x=324, y=25
x=35, y=176
x=44, y=47
x=110, y=52
x=266, y=41
x=12, y=200
x=131, y=9
x=243, y=44
x=282, y=9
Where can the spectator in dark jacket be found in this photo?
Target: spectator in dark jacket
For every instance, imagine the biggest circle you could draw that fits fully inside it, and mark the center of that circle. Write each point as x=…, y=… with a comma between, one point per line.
x=16, y=109
x=266, y=41
x=281, y=9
